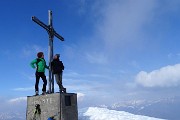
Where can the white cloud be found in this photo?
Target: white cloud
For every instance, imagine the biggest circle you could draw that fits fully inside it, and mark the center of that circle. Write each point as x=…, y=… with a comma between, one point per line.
x=123, y=22
x=18, y=100
x=80, y=96
x=24, y=89
x=164, y=77
x=73, y=74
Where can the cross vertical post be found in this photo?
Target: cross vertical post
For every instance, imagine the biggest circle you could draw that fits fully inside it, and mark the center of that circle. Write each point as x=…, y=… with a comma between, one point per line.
x=51, y=37
x=49, y=28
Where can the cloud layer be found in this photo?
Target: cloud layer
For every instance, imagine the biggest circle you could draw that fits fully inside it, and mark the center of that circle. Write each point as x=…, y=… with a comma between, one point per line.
x=164, y=77
x=18, y=100
x=123, y=21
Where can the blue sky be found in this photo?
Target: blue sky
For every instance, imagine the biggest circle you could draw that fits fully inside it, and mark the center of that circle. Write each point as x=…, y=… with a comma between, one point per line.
x=113, y=50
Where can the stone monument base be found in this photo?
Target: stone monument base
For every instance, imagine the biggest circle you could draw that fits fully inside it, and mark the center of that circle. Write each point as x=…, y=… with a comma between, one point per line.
x=60, y=106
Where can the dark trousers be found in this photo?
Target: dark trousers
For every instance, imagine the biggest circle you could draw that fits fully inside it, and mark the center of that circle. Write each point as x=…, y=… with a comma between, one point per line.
x=58, y=78
x=43, y=77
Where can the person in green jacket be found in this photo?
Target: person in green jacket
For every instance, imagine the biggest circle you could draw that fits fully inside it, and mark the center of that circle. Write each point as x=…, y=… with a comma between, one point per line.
x=40, y=64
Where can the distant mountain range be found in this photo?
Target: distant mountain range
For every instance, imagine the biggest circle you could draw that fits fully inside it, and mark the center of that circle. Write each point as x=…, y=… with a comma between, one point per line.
x=163, y=108
x=12, y=116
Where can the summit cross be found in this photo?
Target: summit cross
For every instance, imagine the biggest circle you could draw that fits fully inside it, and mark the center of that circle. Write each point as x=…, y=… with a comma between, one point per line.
x=49, y=28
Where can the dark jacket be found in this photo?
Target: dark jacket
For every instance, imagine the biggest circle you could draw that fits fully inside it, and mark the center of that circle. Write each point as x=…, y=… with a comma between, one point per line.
x=57, y=66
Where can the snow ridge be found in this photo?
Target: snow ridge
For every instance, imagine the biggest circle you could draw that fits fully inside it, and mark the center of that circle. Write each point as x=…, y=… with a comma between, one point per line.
x=95, y=113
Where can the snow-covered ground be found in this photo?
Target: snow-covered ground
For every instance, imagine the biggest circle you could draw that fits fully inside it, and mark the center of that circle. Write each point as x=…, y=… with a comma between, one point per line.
x=96, y=113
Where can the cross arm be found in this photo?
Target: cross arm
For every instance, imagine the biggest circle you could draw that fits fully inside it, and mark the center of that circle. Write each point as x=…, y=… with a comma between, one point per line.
x=36, y=20
x=58, y=36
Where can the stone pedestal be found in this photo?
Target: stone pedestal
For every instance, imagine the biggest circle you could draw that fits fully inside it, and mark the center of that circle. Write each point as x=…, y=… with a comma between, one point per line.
x=61, y=106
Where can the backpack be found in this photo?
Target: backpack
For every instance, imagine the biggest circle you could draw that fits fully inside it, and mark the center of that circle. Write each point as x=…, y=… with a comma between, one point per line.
x=38, y=60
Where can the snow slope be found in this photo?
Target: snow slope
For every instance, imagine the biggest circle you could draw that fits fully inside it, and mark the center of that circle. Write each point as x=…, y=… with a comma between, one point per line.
x=95, y=113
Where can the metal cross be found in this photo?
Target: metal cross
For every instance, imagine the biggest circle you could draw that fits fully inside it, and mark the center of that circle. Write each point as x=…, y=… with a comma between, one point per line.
x=49, y=28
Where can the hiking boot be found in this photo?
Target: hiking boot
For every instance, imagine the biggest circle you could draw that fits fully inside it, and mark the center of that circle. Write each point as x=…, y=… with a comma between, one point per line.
x=64, y=90
x=36, y=93
x=44, y=93
x=60, y=91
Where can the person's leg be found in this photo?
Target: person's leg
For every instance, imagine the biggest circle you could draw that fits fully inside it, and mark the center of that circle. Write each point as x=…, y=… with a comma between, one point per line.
x=37, y=83
x=57, y=77
x=44, y=82
x=60, y=83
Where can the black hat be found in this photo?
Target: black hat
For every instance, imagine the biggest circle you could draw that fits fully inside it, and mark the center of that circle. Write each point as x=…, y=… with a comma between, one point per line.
x=58, y=55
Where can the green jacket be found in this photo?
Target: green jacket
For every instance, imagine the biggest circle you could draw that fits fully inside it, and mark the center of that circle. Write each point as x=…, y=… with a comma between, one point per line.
x=40, y=64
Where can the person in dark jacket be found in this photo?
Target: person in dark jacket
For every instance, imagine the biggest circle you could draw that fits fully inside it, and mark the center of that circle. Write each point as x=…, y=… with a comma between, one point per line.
x=40, y=64
x=57, y=69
